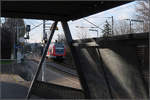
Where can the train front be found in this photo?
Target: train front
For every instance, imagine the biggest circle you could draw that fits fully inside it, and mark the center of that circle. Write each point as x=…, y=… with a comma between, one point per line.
x=59, y=50
x=56, y=51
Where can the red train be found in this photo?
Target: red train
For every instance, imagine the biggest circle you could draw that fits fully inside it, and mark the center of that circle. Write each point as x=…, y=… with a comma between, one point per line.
x=56, y=50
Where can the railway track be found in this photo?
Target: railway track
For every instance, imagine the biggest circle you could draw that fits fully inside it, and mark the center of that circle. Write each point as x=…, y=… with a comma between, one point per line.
x=60, y=66
x=63, y=66
x=63, y=63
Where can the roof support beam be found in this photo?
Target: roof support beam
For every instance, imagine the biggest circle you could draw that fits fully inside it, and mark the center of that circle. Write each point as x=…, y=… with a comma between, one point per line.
x=76, y=58
x=92, y=81
x=42, y=59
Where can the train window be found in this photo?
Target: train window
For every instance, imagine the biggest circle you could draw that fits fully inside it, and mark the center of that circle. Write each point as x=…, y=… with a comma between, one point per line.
x=59, y=45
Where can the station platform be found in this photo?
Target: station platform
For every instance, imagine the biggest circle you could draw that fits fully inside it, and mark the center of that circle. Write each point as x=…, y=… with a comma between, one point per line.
x=13, y=86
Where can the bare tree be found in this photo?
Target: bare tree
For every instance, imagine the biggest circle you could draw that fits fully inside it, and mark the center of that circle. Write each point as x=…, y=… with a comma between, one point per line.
x=143, y=13
x=12, y=26
x=12, y=23
x=61, y=38
x=121, y=27
x=82, y=33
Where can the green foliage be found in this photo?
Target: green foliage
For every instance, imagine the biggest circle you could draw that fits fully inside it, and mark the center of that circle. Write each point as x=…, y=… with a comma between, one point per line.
x=107, y=29
x=6, y=61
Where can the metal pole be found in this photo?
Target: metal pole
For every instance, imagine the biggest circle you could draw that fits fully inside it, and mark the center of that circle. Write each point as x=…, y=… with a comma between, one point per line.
x=43, y=68
x=43, y=29
x=15, y=57
x=143, y=26
x=42, y=59
x=129, y=23
x=16, y=39
x=17, y=43
x=75, y=57
x=130, y=26
x=112, y=25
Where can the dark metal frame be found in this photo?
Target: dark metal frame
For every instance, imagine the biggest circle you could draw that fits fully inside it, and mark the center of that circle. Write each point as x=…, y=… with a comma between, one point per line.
x=52, y=91
x=42, y=59
x=84, y=79
x=82, y=75
x=79, y=69
x=75, y=57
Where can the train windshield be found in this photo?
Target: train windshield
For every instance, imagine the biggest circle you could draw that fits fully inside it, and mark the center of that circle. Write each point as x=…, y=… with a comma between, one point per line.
x=59, y=47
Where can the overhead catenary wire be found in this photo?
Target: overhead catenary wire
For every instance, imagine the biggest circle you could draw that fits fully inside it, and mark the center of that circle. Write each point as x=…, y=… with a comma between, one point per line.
x=93, y=24
x=31, y=23
x=35, y=27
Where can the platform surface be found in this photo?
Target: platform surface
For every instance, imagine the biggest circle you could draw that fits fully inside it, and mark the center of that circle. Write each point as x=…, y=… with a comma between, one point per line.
x=13, y=86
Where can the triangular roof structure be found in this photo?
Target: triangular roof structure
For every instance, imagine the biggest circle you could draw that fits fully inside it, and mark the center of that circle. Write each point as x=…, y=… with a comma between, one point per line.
x=56, y=10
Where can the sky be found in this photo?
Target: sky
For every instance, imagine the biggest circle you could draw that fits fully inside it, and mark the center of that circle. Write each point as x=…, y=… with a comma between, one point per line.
x=126, y=11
